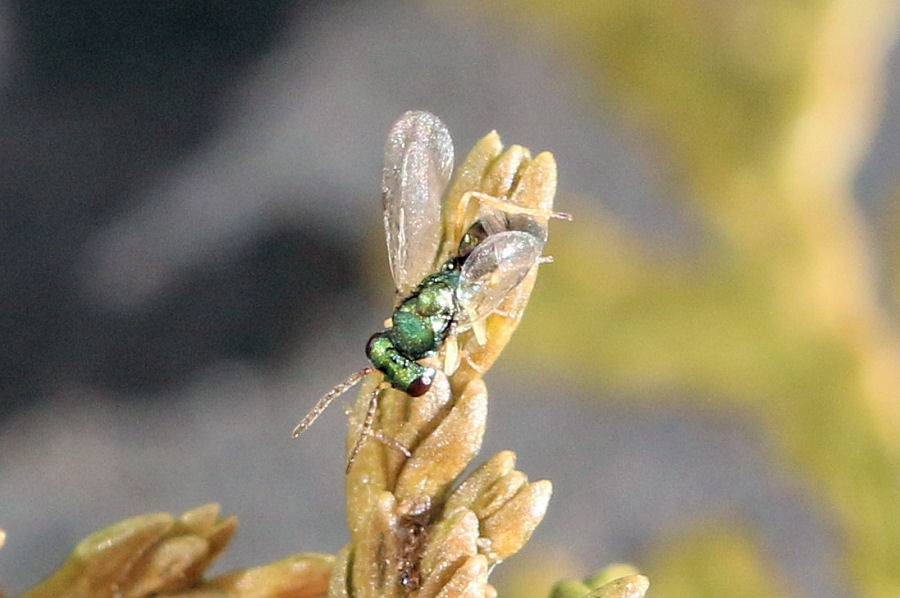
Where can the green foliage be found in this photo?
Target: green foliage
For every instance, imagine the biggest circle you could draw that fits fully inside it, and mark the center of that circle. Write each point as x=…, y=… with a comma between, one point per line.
x=716, y=561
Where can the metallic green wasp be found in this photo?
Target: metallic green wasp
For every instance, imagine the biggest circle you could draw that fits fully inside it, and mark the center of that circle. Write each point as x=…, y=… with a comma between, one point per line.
x=493, y=256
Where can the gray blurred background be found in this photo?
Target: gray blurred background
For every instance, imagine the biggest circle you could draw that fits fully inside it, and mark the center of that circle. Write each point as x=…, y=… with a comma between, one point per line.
x=191, y=253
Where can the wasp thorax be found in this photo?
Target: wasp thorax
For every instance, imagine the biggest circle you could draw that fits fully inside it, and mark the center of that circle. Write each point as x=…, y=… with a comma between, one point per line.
x=412, y=334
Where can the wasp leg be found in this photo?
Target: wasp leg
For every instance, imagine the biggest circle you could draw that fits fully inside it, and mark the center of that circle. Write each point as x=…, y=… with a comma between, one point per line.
x=501, y=203
x=368, y=422
x=510, y=315
x=392, y=443
x=451, y=351
x=334, y=393
x=479, y=329
x=477, y=368
x=385, y=440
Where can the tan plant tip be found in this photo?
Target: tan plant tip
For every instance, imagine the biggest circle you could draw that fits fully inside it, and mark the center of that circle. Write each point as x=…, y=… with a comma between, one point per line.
x=499, y=493
x=201, y=518
x=481, y=479
x=444, y=454
x=146, y=555
x=450, y=543
x=299, y=576
x=510, y=527
x=469, y=581
x=339, y=584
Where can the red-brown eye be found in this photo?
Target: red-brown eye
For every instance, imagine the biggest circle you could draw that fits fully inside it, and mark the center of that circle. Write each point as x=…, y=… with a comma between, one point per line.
x=420, y=385
x=370, y=342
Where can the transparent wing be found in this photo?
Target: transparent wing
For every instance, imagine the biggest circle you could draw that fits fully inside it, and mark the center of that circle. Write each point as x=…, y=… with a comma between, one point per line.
x=492, y=270
x=418, y=161
x=507, y=216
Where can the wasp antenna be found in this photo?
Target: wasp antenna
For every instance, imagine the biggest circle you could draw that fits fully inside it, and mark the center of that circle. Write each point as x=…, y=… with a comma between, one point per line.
x=334, y=393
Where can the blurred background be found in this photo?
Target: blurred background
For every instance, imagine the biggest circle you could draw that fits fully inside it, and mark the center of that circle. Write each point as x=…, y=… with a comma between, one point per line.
x=192, y=253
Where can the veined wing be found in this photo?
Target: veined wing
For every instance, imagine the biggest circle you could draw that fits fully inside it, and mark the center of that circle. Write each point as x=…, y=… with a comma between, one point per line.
x=418, y=162
x=492, y=270
x=506, y=215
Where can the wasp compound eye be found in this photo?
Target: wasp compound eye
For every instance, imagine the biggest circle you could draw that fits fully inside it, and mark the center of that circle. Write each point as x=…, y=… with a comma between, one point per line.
x=421, y=385
x=371, y=342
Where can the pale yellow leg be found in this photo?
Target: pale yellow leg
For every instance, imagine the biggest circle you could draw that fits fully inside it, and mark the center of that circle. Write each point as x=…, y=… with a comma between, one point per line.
x=500, y=203
x=479, y=329
x=368, y=422
x=478, y=369
x=451, y=354
x=385, y=440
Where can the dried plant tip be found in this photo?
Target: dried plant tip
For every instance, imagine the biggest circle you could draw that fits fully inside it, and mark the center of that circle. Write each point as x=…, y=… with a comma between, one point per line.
x=444, y=454
x=481, y=479
x=340, y=574
x=201, y=519
x=173, y=564
x=300, y=576
x=141, y=556
x=505, y=171
x=376, y=548
x=2, y=538
x=451, y=543
x=500, y=492
x=510, y=527
x=204, y=521
x=469, y=581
